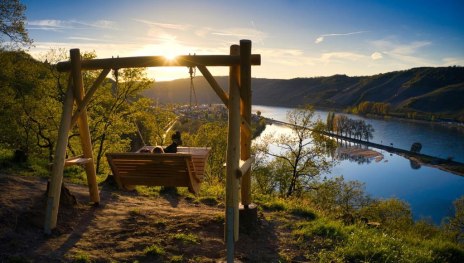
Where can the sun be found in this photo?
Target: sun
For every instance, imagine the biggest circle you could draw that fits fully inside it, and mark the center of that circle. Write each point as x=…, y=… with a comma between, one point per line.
x=171, y=55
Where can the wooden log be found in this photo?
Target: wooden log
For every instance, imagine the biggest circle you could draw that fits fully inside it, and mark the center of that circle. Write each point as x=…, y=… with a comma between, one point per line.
x=245, y=167
x=83, y=125
x=245, y=109
x=53, y=200
x=233, y=158
x=213, y=83
x=159, y=61
x=88, y=96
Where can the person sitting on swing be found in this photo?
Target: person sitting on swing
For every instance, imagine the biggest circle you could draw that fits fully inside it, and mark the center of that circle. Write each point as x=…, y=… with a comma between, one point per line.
x=176, y=141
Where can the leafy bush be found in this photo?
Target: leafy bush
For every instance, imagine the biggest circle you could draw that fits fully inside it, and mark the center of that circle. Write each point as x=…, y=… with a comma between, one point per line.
x=392, y=213
x=154, y=250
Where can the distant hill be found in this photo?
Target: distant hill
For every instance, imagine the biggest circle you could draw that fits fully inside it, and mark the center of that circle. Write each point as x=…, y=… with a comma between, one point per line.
x=434, y=90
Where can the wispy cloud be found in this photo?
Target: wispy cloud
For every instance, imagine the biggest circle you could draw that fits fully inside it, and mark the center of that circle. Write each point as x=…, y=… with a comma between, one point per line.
x=82, y=38
x=406, y=53
x=59, y=25
x=321, y=38
x=163, y=25
x=331, y=56
x=236, y=32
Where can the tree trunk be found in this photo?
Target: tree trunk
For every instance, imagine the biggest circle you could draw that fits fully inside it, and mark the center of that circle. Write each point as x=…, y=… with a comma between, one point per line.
x=100, y=152
x=291, y=188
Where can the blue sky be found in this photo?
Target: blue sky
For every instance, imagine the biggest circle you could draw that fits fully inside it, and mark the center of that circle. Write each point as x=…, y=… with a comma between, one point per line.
x=296, y=38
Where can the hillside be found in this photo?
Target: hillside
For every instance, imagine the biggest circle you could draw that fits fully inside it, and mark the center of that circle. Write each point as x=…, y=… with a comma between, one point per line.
x=434, y=90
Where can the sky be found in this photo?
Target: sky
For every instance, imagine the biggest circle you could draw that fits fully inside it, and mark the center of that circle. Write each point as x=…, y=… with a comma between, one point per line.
x=296, y=38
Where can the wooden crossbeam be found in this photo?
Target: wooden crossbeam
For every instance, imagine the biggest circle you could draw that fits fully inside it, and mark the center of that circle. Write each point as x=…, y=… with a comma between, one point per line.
x=159, y=61
x=213, y=83
x=88, y=96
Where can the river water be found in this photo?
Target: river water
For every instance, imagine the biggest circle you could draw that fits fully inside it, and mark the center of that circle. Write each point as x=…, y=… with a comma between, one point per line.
x=429, y=191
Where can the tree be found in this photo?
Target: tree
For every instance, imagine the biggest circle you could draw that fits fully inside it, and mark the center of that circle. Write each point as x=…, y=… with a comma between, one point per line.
x=30, y=104
x=112, y=111
x=214, y=135
x=301, y=155
x=340, y=198
x=12, y=20
x=456, y=223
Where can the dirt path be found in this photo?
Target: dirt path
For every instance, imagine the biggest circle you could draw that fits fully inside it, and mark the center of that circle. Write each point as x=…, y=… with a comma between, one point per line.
x=126, y=227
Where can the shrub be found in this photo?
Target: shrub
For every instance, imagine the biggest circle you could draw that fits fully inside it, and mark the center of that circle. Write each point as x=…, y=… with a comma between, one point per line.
x=391, y=213
x=154, y=250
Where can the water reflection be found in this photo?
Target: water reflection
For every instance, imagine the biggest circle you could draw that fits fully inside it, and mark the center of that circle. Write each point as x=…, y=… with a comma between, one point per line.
x=429, y=191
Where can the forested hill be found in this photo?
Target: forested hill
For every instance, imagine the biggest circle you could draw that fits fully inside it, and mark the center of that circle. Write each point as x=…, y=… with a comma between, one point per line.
x=434, y=90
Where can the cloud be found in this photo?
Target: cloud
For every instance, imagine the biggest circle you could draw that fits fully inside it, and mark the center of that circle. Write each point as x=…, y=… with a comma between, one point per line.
x=59, y=25
x=238, y=32
x=321, y=38
x=329, y=57
x=376, y=56
x=164, y=25
x=406, y=53
x=400, y=48
x=82, y=38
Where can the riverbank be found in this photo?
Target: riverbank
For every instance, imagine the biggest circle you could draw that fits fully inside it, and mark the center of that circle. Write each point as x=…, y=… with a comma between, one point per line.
x=397, y=117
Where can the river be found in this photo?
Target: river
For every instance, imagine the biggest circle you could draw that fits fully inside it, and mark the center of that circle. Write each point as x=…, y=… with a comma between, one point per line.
x=429, y=191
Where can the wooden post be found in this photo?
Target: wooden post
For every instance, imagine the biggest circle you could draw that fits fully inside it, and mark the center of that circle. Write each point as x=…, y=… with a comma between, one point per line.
x=233, y=158
x=53, y=200
x=84, y=131
x=245, y=110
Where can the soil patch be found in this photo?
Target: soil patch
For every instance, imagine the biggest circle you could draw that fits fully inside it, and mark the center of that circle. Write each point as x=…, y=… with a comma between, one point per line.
x=126, y=227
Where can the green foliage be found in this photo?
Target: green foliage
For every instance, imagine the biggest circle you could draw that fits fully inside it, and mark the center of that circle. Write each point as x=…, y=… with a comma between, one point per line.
x=277, y=204
x=154, y=250
x=12, y=23
x=188, y=238
x=296, y=207
x=455, y=224
x=339, y=198
x=366, y=107
x=328, y=229
x=392, y=213
x=81, y=257
x=342, y=125
x=213, y=135
x=177, y=258
x=301, y=158
x=370, y=245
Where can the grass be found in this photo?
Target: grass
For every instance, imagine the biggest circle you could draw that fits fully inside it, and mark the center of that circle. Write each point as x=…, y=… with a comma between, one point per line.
x=176, y=258
x=186, y=238
x=154, y=250
x=81, y=257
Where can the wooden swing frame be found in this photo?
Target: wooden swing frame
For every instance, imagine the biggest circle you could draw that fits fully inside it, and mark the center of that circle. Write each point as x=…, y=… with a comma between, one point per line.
x=238, y=102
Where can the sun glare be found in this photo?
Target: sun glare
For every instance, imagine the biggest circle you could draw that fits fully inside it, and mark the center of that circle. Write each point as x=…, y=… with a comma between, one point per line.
x=170, y=56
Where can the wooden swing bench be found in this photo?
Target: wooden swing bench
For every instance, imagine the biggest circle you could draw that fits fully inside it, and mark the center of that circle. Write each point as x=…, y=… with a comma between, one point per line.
x=182, y=169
